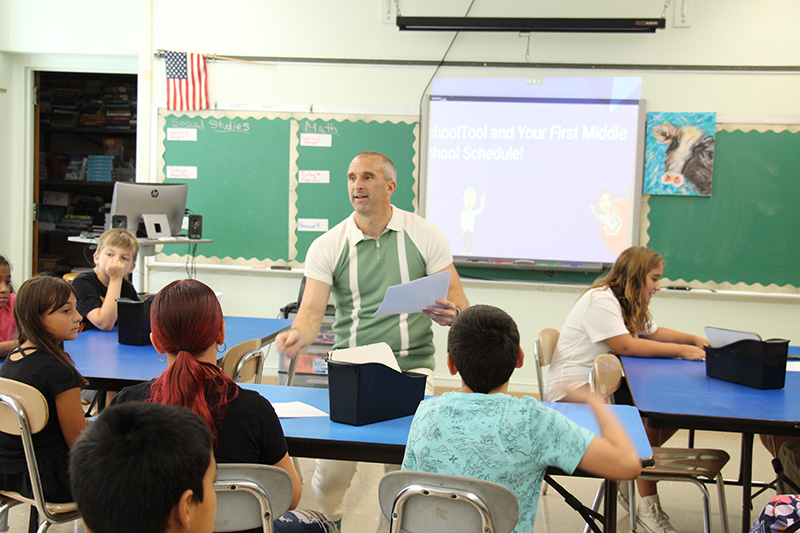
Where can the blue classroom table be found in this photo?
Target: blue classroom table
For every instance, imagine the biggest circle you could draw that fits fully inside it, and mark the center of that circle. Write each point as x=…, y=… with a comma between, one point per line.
x=385, y=442
x=109, y=365
x=677, y=393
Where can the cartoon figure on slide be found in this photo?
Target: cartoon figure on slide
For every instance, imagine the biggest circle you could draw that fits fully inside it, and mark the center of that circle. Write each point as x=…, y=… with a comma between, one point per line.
x=612, y=215
x=468, y=217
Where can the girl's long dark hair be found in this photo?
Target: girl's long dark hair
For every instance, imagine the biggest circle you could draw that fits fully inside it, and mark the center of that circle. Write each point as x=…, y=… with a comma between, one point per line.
x=185, y=319
x=40, y=295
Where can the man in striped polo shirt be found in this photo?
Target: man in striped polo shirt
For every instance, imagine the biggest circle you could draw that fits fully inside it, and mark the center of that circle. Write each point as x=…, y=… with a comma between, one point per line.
x=377, y=246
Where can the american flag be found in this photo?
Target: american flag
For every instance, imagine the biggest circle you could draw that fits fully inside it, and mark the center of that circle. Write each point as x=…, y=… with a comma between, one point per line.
x=187, y=87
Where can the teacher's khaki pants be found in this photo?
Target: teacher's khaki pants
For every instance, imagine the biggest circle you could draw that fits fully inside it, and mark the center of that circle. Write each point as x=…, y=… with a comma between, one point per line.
x=332, y=478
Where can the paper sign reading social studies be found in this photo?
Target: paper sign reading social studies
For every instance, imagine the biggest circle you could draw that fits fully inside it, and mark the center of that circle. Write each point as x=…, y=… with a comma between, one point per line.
x=414, y=296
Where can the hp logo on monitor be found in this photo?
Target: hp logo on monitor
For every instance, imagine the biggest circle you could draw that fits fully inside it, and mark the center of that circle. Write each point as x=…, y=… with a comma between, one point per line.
x=154, y=193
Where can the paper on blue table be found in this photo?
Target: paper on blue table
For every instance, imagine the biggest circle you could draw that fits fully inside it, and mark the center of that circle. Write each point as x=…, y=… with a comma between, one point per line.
x=296, y=410
x=414, y=296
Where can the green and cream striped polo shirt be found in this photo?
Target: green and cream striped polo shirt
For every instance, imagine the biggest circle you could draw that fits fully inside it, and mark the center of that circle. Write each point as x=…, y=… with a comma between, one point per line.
x=359, y=269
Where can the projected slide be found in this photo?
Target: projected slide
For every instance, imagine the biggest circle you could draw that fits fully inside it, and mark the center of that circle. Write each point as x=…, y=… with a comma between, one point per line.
x=533, y=178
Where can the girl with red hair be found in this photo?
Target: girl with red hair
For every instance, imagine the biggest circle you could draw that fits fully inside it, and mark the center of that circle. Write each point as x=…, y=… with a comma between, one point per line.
x=186, y=324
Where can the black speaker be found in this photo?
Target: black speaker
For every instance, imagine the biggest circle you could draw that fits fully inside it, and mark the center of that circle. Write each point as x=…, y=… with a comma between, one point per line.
x=119, y=221
x=195, y=226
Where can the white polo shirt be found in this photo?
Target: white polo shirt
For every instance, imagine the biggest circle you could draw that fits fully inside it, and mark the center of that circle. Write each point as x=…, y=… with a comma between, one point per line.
x=596, y=316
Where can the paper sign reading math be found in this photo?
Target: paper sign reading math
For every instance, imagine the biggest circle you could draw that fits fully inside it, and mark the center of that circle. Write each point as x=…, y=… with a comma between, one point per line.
x=316, y=139
x=181, y=134
x=312, y=224
x=182, y=173
x=314, y=176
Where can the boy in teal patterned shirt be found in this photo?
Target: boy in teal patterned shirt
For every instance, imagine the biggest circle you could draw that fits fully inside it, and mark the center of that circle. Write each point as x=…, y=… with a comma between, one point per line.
x=481, y=432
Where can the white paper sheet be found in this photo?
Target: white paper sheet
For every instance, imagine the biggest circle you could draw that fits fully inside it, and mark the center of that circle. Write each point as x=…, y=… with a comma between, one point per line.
x=414, y=296
x=369, y=353
x=721, y=337
x=296, y=410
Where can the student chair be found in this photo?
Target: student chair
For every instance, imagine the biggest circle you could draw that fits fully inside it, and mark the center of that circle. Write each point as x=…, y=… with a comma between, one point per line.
x=671, y=464
x=244, y=361
x=543, y=350
x=251, y=496
x=421, y=501
x=23, y=412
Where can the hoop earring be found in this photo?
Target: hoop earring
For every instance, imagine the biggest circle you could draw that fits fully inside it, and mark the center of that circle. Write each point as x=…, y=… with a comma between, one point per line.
x=223, y=348
x=162, y=357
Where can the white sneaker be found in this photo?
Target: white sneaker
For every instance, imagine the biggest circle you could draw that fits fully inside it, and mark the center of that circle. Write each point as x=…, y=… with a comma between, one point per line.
x=651, y=517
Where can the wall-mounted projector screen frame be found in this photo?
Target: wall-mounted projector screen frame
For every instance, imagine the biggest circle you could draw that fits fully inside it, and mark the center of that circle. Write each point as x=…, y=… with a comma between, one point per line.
x=533, y=182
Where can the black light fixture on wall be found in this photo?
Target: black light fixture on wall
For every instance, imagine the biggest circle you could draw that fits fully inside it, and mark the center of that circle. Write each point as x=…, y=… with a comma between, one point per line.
x=511, y=24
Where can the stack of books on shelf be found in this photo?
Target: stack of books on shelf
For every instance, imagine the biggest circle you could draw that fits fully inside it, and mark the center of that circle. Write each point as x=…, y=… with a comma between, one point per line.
x=76, y=169
x=65, y=107
x=75, y=223
x=99, y=167
x=120, y=104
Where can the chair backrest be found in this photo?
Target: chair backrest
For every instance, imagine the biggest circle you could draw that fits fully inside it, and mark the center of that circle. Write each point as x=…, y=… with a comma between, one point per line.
x=421, y=501
x=33, y=405
x=251, y=496
x=543, y=350
x=243, y=361
x=605, y=376
x=69, y=276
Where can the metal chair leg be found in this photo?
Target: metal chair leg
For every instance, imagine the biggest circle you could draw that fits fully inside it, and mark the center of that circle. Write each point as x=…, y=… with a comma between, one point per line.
x=598, y=500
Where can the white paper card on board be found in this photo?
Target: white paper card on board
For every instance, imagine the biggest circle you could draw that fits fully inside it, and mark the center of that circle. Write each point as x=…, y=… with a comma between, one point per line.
x=314, y=176
x=414, y=296
x=312, y=224
x=181, y=134
x=369, y=353
x=316, y=139
x=296, y=410
x=182, y=173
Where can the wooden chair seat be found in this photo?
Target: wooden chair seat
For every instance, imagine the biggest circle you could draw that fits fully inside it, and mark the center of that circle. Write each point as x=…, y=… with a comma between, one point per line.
x=54, y=508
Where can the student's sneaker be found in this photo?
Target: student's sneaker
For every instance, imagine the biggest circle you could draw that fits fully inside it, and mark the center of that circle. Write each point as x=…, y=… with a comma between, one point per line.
x=652, y=518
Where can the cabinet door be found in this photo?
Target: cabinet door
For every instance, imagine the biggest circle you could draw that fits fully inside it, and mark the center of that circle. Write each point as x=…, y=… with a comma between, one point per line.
x=36, y=160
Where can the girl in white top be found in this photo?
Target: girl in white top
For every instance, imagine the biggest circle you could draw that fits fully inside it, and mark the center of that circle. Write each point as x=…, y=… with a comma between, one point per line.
x=613, y=316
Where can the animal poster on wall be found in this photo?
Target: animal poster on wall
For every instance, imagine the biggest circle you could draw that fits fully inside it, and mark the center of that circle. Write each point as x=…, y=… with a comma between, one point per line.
x=679, y=153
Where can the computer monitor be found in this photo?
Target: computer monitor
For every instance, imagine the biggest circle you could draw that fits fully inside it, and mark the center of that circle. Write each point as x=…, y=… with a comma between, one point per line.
x=136, y=199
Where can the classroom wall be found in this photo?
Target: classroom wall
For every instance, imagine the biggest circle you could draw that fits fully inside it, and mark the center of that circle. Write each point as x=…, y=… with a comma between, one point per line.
x=722, y=32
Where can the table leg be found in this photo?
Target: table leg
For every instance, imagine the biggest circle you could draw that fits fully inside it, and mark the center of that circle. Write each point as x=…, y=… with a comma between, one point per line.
x=610, y=506
x=746, y=475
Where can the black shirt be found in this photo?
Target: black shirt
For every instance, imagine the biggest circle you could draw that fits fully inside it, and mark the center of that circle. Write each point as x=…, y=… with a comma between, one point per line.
x=91, y=292
x=250, y=433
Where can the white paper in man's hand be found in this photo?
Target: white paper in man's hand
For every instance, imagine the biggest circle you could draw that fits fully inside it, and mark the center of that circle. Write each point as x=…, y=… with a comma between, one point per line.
x=414, y=296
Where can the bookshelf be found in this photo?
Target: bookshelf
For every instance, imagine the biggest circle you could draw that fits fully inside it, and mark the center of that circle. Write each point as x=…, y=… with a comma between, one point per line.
x=87, y=141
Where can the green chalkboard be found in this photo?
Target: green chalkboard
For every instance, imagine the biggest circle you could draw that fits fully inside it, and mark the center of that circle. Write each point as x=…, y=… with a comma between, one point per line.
x=243, y=172
x=330, y=200
x=241, y=185
x=747, y=230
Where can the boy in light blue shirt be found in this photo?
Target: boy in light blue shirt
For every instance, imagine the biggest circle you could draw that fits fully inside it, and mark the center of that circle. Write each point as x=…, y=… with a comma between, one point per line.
x=481, y=432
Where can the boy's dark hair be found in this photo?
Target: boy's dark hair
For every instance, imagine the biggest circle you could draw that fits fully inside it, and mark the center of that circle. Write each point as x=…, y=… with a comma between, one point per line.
x=131, y=466
x=484, y=345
